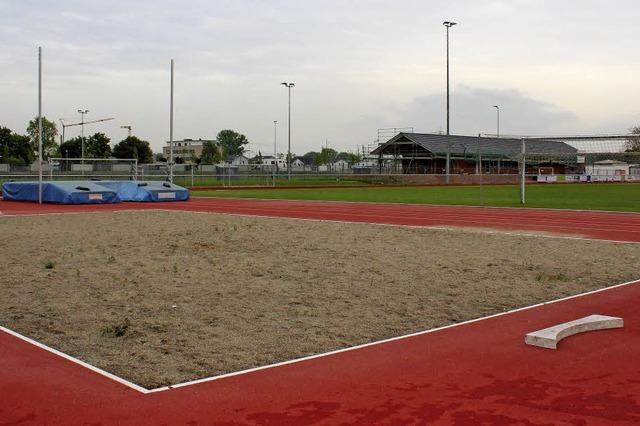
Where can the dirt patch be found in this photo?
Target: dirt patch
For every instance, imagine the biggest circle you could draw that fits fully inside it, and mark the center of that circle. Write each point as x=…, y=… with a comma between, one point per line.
x=164, y=297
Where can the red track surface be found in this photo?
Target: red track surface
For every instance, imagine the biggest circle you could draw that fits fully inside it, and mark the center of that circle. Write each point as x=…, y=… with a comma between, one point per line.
x=589, y=224
x=479, y=372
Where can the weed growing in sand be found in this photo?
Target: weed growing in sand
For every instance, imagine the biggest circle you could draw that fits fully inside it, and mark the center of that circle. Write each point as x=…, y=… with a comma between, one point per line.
x=116, y=330
x=543, y=277
x=49, y=265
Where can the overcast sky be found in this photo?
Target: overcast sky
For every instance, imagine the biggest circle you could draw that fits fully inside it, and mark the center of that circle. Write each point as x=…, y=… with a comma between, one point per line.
x=554, y=66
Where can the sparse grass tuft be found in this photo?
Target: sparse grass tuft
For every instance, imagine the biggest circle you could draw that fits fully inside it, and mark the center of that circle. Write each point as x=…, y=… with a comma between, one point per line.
x=116, y=330
x=543, y=277
x=49, y=265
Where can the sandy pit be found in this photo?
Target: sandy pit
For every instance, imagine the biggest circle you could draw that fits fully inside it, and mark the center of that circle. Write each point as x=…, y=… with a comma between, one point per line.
x=165, y=297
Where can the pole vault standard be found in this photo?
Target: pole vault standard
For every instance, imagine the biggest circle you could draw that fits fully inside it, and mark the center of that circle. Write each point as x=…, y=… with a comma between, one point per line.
x=171, y=128
x=40, y=125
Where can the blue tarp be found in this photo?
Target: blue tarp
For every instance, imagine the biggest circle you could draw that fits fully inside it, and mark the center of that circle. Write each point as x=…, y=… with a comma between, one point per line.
x=94, y=192
x=164, y=191
x=81, y=192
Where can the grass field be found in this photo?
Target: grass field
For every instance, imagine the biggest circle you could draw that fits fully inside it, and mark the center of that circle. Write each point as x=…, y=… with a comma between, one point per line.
x=615, y=197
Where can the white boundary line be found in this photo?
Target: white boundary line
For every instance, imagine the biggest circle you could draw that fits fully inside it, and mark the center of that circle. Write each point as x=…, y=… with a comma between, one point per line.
x=76, y=360
x=472, y=206
x=297, y=360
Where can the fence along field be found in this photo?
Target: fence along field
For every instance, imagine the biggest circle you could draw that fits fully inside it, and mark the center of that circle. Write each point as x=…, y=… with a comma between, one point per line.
x=406, y=159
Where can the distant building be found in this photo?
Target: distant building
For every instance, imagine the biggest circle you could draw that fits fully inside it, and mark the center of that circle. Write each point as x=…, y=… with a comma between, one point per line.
x=611, y=171
x=187, y=149
x=270, y=160
x=237, y=160
x=341, y=165
x=428, y=153
x=297, y=163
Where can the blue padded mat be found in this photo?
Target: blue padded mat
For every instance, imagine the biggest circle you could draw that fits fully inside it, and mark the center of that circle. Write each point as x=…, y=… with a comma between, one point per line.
x=94, y=192
x=76, y=192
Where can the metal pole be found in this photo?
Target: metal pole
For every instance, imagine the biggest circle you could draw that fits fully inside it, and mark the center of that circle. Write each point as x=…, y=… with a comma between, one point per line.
x=289, y=143
x=171, y=129
x=523, y=173
x=447, y=166
x=447, y=86
x=40, y=125
x=275, y=150
x=498, y=126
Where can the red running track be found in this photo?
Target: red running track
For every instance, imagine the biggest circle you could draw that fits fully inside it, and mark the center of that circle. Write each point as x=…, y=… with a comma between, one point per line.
x=587, y=224
x=476, y=373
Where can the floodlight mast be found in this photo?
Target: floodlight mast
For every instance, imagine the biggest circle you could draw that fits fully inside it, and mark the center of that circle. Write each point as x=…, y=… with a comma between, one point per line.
x=171, y=128
x=448, y=24
x=128, y=128
x=289, y=86
x=39, y=125
x=497, y=107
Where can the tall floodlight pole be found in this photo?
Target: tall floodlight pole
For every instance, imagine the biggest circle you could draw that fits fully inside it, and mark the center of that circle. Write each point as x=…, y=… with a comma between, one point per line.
x=40, y=125
x=289, y=86
x=448, y=24
x=171, y=128
x=497, y=107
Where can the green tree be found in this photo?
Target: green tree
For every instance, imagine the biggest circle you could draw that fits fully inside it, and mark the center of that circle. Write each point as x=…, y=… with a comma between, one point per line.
x=310, y=158
x=15, y=149
x=72, y=148
x=349, y=157
x=132, y=147
x=212, y=153
x=232, y=142
x=98, y=146
x=633, y=143
x=95, y=146
x=49, y=137
x=326, y=156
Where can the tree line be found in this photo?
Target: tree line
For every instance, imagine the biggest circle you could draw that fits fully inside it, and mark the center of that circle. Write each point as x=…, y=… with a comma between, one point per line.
x=20, y=150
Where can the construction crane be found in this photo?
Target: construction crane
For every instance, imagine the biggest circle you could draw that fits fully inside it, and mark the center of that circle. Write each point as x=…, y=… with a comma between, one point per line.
x=128, y=128
x=64, y=126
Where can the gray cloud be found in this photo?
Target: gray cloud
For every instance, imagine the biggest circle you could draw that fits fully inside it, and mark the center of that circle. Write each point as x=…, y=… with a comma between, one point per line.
x=472, y=112
x=358, y=65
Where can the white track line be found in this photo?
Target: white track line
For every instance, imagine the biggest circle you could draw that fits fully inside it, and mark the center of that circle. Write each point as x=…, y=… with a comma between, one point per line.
x=297, y=360
x=470, y=206
x=76, y=360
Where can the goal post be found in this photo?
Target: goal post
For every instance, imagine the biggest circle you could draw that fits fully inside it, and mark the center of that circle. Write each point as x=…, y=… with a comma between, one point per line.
x=93, y=168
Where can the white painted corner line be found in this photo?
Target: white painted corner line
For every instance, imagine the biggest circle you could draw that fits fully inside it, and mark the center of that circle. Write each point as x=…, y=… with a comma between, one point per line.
x=302, y=359
x=75, y=360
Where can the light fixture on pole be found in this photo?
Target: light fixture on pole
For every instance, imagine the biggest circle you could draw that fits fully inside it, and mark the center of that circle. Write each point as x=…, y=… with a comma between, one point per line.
x=497, y=107
x=289, y=86
x=448, y=24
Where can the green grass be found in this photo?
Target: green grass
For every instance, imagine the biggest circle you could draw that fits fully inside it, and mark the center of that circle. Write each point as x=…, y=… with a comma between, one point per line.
x=281, y=180
x=618, y=197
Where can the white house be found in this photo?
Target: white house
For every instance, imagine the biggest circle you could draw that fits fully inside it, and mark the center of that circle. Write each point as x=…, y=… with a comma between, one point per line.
x=297, y=163
x=610, y=171
x=237, y=160
x=340, y=165
x=270, y=160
